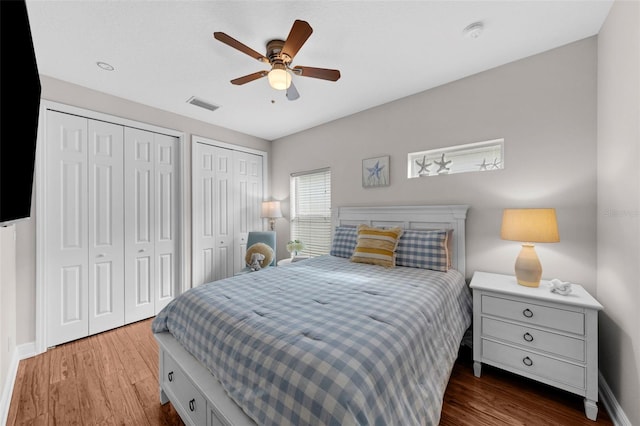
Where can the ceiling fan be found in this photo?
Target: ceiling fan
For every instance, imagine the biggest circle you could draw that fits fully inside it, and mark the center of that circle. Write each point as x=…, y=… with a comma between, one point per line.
x=280, y=54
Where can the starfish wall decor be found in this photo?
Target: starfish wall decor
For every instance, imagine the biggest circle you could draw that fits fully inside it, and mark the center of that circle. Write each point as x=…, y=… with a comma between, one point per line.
x=375, y=172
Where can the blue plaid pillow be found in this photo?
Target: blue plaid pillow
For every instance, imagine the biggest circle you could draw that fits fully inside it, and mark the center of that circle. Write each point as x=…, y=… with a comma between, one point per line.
x=344, y=242
x=424, y=249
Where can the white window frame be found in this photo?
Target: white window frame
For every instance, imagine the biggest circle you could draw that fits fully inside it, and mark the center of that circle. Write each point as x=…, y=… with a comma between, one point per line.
x=317, y=235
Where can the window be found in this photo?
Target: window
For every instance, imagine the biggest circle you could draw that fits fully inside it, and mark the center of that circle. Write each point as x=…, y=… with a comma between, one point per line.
x=473, y=157
x=311, y=211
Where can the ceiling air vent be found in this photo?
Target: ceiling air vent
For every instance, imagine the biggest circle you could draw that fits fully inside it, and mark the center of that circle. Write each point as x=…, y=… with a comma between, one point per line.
x=202, y=104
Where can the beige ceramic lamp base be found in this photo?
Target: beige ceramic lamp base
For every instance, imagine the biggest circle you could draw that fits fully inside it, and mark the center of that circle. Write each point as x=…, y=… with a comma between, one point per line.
x=528, y=267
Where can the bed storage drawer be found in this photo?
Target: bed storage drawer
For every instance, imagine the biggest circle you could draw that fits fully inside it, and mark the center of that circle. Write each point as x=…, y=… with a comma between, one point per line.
x=530, y=313
x=534, y=364
x=185, y=394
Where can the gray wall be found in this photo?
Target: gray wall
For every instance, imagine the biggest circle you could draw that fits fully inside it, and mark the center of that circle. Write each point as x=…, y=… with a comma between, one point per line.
x=619, y=203
x=543, y=106
x=71, y=94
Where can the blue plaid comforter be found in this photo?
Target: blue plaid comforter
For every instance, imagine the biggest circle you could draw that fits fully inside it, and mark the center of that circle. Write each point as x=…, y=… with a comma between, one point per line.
x=327, y=341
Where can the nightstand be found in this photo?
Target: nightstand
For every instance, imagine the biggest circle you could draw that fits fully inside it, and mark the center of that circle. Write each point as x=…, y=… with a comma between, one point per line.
x=538, y=334
x=290, y=260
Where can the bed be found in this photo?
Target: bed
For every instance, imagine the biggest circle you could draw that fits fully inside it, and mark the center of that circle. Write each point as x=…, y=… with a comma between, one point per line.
x=322, y=341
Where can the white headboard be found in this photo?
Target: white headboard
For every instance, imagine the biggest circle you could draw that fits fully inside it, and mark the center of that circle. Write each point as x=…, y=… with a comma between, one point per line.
x=412, y=217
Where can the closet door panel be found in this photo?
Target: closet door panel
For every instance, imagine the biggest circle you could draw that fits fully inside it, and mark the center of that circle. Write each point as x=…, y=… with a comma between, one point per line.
x=139, y=224
x=106, y=226
x=224, y=214
x=166, y=216
x=213, y=213
x=249, y=195
x=66, y=231
x=203, y=198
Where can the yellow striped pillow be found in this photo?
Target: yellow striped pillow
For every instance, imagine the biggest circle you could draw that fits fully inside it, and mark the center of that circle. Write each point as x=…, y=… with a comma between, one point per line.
x=376, y=246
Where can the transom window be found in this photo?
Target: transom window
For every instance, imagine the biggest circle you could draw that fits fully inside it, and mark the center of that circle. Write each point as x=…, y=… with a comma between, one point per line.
x=473, y=157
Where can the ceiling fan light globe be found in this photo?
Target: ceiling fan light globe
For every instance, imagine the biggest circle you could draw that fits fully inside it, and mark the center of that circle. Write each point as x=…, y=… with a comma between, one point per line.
x=279, y=78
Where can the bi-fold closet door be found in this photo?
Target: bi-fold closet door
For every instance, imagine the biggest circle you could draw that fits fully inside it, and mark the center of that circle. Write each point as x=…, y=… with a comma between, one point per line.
x=150, y=194
x=227, y=194
x=85, y=266
x=91, y=277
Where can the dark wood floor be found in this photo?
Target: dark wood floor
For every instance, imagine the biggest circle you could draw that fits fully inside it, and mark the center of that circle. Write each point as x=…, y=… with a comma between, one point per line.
x=112, y=379
x=502, y=398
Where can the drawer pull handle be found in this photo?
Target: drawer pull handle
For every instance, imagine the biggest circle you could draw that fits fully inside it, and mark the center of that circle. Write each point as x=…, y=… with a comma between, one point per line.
x=527, y=313
x=170, y=376
x=192, y=405
x=528, y=337
x=527, y=361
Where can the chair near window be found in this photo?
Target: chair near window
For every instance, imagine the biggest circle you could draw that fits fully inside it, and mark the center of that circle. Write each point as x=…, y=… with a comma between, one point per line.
x=265, y=237
x=260, y=237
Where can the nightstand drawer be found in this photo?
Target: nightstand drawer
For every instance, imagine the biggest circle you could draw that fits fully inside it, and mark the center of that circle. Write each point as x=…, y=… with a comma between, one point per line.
x=534, y=364
x=533, y=338
x=530, y=313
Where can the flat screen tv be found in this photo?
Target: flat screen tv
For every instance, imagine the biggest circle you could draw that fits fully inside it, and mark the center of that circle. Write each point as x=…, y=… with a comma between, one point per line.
x=19, y=109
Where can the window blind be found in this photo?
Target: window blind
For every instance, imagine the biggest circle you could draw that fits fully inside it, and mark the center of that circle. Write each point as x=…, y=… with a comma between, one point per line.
x=311, y=211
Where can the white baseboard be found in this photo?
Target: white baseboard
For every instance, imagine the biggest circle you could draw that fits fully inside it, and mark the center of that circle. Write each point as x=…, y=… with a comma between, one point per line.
x=24, y=351
x=7, y=388
x=618, y=417
x=27, y=350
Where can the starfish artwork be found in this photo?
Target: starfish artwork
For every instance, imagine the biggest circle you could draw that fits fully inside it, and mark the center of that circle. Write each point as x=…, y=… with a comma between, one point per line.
x=484, y=164
x=442, y=164
x=496, y=163
x=374, y=172
x=424, y=166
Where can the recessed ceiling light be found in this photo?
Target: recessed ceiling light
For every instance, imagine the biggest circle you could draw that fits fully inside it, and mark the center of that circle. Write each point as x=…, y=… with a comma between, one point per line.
x=105, y=66
x=473, y=30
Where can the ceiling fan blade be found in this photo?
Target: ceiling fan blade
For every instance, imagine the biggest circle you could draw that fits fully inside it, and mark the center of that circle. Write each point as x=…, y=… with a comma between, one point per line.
x=322, y=73
x=300, y=32
x=230, y=41
x=248, y=78
x=292, y=92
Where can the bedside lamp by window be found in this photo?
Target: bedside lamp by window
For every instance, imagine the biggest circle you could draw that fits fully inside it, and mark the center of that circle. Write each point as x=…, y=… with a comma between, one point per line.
x=529, y=226
x=271, y=210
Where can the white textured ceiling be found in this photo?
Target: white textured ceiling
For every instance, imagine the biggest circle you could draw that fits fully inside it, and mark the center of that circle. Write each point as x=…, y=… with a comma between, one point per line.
x=164, y=51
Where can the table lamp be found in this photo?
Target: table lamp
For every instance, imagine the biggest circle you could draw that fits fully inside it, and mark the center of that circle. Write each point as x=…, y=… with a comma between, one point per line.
x=271, y=210
x=529, y=226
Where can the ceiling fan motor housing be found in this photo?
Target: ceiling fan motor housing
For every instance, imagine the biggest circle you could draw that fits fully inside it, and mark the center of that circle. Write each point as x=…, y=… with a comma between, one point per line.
x=274, y=52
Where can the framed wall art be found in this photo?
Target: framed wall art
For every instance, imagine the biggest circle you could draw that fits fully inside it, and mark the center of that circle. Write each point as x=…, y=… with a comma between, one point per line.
x=375, y=172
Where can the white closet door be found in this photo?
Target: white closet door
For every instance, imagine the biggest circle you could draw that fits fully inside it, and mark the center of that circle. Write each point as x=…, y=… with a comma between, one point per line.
x=203, y=219
x=139, y=222
x=248, y=198
x=224, y=214
x=106, y=226
x=213, y=218
x=166, y=225
x=67, y=228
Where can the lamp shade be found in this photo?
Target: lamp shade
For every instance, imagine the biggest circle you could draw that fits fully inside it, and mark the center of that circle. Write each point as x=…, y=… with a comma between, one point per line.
x=271, y=209
x=279, y=78
x=530, y=225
